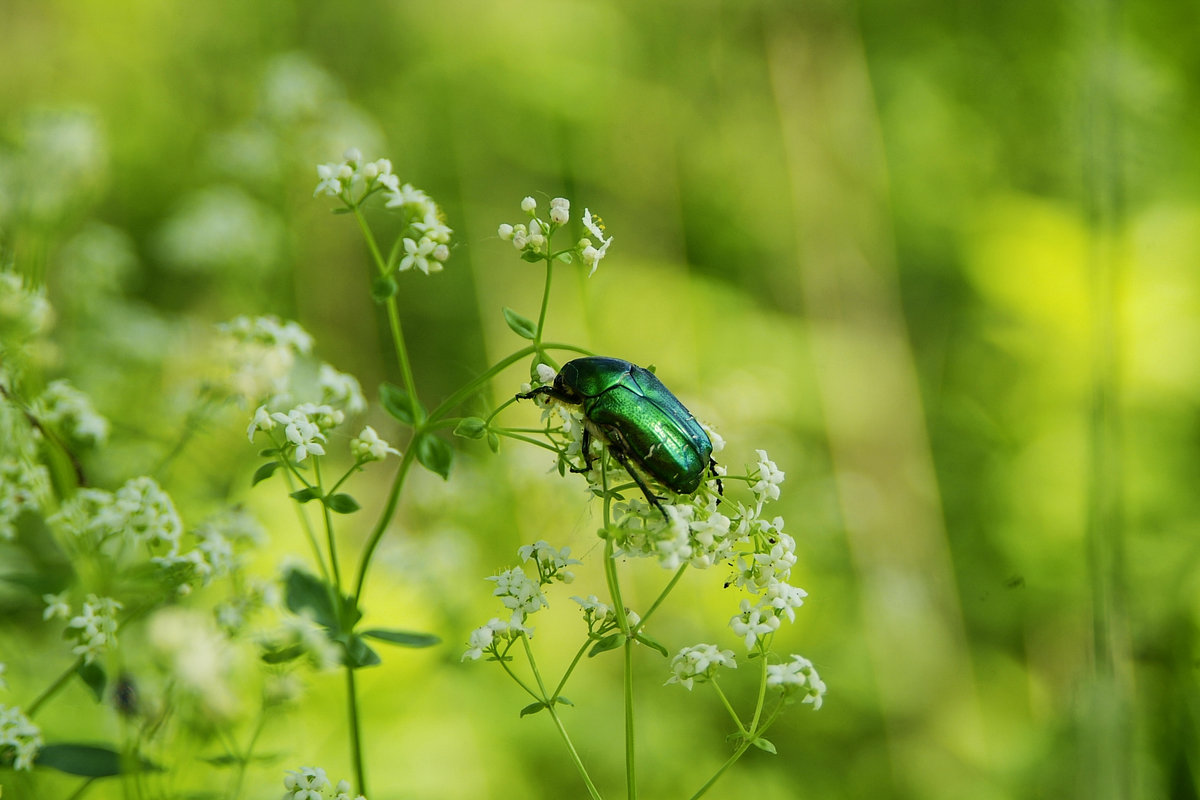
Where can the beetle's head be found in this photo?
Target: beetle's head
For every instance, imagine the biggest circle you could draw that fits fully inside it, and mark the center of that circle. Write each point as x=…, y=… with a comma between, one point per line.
x=565, y=392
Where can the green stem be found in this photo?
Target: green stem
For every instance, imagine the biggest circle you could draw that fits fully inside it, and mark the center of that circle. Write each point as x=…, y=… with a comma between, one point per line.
x=729, y=707
x=574, y=662
x=661, y=597
x=583, y=773
x=614, y=588
x=384, y=519
x=53, y=688
x=630, y=749
x=360, y=773
x=330, y=539
x=244, y=759
x=541, y=325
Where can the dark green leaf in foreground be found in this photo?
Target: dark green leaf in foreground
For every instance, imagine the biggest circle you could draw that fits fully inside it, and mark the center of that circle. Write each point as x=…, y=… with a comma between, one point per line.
x=402, y=638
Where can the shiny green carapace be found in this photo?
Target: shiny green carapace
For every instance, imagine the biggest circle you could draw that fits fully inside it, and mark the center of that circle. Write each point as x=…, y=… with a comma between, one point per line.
x=638, y=419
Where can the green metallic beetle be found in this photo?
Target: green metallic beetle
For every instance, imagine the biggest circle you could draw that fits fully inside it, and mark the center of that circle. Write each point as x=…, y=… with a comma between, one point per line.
x=644, y=426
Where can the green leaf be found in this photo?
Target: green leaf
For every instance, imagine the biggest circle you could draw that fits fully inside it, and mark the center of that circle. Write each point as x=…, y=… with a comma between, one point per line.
x=342, y=503
x=471, y=428
x=493, y=442
x=652, y=644
x=282, y=656
x=610, y=642
x=304, y=495
x=532, y=708
x=93, y=676
x=403, y=638
x=342, y=210
x=89, y=761
x=563, y=701
x=305, y=593
x=521, y=326
x=264, y=472
x=565, y=257
x=399, y=404
x=383, y=288
x=359, y=654
x=435, y=455
x=765, y=744
x=532, y=257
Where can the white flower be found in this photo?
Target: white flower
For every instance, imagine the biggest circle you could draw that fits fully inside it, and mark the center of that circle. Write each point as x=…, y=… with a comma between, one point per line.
x=769, y=478
x=369, y=447
x=698, y=664
x=753, y=623
x=23, y=485
x=546, y=373
x=56, y=606
x=261, y=422
x=797, y=675
x=782, y=598
x=591, y=254
x=149, y=514
x=417, y=255
x=330, y=184
x=306, y=783
x=302, y=433
x=551, y=563
x=72, y=412
x=519, y=593
x=20, y=735
x=505, y=232
x=528, y=205
x=485, y=637
x=560, y=210
x=341, y=389
x=95, y=628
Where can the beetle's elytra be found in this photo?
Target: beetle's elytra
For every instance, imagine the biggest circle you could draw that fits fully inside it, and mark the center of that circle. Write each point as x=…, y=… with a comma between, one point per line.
x=643, y=425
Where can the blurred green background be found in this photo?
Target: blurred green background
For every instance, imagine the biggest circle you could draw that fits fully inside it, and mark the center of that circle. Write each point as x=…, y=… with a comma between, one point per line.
x=938, y=258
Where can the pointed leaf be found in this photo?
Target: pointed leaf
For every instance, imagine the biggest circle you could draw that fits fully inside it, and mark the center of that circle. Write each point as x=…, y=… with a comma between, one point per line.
x=284, y=655
x=610, y=642
x=532, y=257
x=359, y=654
x=264, y=472
x=532, y=708
x=493, y=442
x=521, y=326
x=566, y=257
x=89, y=761
x=399, y=404
x=652, y=644
x=471, y=428
x=563, y=701
x=403, y=638
x=342, y=503
x=342, y=210
x=765, y=744
x=304, y=495
x=435, y=455
x=307, y=595
x=93, y=676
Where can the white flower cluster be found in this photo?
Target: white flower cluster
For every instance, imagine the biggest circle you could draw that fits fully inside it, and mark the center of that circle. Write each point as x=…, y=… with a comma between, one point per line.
x=797, y=676
x=70, y=412
x=140, y=512
x=352, y=177
x=94, y=629
x=311, y=783
x=429, y=247
x=533, y=239
x=520, y=594
x=340, y=389
x=260, y=353
x=698, y=663
x=353, y=180
x=23, y=486
x=19, y=736
x=551, y=562
x=488, y=637
x=367, y=446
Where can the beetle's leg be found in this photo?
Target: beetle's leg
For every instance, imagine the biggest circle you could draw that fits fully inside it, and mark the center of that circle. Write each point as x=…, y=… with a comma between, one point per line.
x=547, y=390
x=617, y=448
x=712, y=467
x=586, y=445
